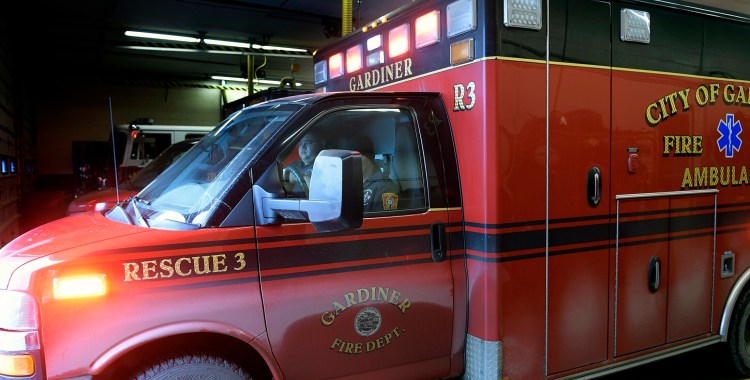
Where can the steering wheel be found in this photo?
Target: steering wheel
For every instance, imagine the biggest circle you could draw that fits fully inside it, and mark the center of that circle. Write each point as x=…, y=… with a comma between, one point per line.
x=292, y=172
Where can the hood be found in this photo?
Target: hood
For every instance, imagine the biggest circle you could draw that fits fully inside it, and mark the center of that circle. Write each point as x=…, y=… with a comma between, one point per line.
x=57, y=236
x=87, y=202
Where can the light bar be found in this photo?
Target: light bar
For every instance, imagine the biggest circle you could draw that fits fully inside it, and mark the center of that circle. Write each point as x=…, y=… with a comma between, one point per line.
x=79, y=286
x=635, y=26
x=160, y=36
x=398, y=41
x=523, y=14
x=427, y=29
x=461, y=17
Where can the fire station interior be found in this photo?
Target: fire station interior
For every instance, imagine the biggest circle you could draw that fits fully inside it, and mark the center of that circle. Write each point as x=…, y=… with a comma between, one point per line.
x=71, y=71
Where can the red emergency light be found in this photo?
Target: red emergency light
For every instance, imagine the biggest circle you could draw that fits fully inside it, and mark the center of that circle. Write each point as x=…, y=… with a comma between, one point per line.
x=353, y=58
x=398, y=41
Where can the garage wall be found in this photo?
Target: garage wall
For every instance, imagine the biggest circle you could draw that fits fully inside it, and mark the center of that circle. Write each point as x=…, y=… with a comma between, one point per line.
x=80, y=112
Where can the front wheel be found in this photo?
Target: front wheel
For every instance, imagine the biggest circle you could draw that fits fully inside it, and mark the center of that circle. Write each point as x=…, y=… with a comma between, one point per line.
x=192, y=366
x=739, y=335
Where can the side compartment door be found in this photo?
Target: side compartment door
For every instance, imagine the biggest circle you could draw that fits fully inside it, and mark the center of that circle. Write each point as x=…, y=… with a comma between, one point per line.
x=579, y=177
x=376, y=300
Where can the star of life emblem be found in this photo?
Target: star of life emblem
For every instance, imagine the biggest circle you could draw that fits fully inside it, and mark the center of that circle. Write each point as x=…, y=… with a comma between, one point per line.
x=730, y=140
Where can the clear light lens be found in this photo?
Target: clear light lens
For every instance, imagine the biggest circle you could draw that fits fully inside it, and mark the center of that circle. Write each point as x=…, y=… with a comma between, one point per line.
x=374, y=42
x=461, y=17
x=353, y=58
x=375, y=58
x=398, y=41
x=336, y=65
x=80, y=286
x=523, y=14
x=321, y=71
x=427, y=29
x=18, y=311
x=635, y=26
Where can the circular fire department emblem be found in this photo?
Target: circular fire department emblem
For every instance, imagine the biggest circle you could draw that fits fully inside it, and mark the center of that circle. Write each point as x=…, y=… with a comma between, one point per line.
x=367, y=321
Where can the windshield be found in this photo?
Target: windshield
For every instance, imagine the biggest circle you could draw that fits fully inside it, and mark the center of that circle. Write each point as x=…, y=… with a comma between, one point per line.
x=191, y=189
x=143, y=177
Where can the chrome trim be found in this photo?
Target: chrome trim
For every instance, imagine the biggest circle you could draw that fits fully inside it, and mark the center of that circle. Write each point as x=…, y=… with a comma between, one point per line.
x=665, y=194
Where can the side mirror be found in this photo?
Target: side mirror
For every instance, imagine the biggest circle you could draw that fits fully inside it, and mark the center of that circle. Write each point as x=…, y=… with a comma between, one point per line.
x=335, y=201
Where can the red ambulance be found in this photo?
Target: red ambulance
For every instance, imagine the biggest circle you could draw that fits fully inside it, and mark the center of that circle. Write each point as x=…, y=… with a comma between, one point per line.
x=503, y=190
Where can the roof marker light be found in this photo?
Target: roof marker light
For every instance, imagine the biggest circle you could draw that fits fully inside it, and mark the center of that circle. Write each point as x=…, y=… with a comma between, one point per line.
x=398, y=41
x=427, y=29
x=461, y=17
x=336, y=65
x=635, y=26
x=523, y=14
x=353, y=58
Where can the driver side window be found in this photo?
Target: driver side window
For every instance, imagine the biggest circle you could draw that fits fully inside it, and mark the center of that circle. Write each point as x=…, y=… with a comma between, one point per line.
x=386, y=138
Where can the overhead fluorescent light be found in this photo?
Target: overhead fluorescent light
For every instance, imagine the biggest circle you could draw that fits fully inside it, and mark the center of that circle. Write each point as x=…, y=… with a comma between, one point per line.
x=260, y=81
x=160, y=36
x=210, y=41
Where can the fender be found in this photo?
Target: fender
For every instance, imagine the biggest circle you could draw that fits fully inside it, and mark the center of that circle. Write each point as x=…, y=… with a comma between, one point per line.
x=258, y=342
x=726, y=316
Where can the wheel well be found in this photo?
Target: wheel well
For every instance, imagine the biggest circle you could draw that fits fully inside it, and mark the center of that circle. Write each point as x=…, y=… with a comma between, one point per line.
x=225, y=346
x=740, y=286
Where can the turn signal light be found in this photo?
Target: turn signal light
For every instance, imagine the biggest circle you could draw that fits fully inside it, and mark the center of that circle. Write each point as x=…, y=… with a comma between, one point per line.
x=16, y=365
x=80, y=286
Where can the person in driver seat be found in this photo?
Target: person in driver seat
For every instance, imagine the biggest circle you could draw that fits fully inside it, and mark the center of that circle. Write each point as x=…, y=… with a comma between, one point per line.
x=380, y=193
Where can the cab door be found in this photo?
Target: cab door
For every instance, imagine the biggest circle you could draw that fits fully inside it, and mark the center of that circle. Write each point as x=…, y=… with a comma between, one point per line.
x=379, y=297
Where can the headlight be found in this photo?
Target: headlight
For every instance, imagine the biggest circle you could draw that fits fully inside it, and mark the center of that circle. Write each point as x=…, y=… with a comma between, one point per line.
x=19, y=311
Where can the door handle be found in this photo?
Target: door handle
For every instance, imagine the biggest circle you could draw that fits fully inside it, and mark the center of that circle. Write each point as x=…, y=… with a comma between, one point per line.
x=654, y=274
x=437, y=242
x=594, y=186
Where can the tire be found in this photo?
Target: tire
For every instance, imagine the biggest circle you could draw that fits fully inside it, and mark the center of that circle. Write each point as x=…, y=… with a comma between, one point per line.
x=739, y=336
x=192, y=366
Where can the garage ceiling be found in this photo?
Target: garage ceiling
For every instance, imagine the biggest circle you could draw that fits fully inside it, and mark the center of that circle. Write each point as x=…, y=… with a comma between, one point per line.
x=85, y=39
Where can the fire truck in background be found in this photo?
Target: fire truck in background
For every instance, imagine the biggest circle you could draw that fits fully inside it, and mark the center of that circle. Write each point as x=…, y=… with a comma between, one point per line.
x=538, y=190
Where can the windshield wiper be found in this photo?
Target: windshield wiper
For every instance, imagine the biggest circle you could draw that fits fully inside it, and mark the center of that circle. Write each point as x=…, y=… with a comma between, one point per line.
x=140, y=219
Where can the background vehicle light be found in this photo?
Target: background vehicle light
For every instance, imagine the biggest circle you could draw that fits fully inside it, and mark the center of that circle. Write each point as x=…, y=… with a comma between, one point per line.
x=398, y=41
x=461, y=17
x=18, y=311
x=80, y=286
x=523, y=14
x=462, y=51
x=353, y=58
x=335, y=65
x=427, y=29
x=321, y=69
x=374, y=42
x=16, y=365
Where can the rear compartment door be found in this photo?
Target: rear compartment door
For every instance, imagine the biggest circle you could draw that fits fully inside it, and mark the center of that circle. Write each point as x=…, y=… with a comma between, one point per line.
x=377, y=300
